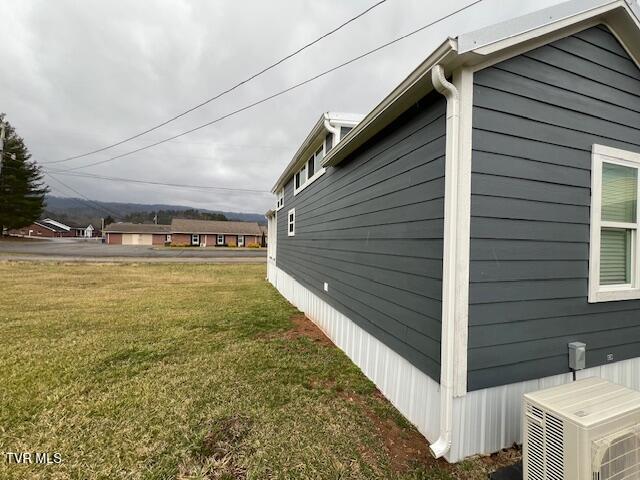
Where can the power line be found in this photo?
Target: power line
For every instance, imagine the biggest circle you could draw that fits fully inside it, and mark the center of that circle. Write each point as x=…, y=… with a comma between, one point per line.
x=277, y=94
x=90, y=202
x=151, y=182
x=228, y=90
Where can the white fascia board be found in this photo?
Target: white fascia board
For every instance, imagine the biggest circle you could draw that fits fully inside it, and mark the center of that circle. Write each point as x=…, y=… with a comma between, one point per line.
x=497, y=37
x=310, y=143
x=617, y=16
x=491, y=45
x=414, y=87
x=345, y=119
x=292, y=167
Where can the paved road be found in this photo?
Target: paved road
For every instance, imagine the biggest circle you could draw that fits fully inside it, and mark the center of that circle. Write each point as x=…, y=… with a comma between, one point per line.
x=83, y=250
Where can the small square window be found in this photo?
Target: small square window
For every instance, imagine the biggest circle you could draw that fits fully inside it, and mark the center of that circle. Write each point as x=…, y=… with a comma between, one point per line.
x=291, y=222
x=280, y=199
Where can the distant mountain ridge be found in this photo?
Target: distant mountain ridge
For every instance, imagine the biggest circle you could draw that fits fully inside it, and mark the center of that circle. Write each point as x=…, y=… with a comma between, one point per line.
x=80, y=211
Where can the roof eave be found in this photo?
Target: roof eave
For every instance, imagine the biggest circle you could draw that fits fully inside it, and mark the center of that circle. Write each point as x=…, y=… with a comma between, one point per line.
x=480, y=46
x=301, y=154
x=498, y=37
x=315, y=131
x=414, y=87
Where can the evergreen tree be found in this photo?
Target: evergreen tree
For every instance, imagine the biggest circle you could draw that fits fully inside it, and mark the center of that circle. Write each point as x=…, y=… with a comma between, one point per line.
x=22, y=191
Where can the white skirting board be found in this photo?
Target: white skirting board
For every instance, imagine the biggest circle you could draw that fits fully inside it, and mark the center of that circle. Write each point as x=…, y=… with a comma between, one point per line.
x=485, y=421
x=413, y=393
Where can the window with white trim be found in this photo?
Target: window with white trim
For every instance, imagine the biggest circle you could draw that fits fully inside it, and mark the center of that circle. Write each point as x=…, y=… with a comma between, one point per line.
x=167, y=238
x=310, y=171
x=291, y=222
x=280, y=199
x=241, y=240
x=301, y=177
x=614, y=266
x=220, y=239
x=195, y=239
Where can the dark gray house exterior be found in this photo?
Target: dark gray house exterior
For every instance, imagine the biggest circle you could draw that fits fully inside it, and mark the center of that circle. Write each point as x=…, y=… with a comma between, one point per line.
x=481, y=217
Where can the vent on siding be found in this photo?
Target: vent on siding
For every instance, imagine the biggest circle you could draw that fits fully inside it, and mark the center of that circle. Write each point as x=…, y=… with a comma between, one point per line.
x=545, y=444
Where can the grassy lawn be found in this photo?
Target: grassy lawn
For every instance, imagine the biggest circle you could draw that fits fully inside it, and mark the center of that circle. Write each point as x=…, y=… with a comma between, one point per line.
x=190, y=372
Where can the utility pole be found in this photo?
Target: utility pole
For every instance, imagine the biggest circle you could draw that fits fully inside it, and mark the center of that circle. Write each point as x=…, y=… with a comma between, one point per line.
x=1, y=144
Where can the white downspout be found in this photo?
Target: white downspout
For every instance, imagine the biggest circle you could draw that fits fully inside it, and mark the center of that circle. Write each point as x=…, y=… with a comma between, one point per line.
x=334, y=130
x=441, y=446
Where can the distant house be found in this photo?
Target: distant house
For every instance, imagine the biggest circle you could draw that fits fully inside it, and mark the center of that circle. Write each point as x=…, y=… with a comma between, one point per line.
x=479, y=219
x=208, y=233
x=137, y=234
x=43, y=228
x=88, y=231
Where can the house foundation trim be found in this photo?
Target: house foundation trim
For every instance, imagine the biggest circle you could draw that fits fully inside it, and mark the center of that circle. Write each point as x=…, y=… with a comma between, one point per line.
x=486, y=420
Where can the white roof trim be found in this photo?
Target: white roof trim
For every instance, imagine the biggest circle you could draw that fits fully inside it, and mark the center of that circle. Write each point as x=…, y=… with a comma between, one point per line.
x=417, y=84
x=477, y=47
x=338, y=119
x=533, y=21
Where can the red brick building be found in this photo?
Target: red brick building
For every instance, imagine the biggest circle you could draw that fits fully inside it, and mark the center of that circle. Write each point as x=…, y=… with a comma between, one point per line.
x=207, y=233
x=137, y=234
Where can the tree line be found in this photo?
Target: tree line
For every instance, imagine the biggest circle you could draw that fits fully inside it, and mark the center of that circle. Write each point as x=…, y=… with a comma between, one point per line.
x=164, y=217
x=22, y=190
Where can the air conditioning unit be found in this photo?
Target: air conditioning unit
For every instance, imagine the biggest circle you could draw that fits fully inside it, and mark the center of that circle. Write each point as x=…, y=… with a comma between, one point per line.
x=585, y=430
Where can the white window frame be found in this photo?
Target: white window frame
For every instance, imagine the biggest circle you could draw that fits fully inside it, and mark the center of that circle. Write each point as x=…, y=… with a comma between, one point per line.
x=167, y=238
x=195, y=236
x=318, y=154
x=241, y=240
x=220, y=239
x=610, y=293
x=291, y=231
x=280, y=199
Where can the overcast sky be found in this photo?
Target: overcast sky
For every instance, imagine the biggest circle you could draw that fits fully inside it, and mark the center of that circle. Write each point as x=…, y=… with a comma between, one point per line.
x=78, y=75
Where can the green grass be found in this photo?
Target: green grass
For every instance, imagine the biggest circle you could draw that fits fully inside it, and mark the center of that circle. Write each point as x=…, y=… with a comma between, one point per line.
x=181, y=371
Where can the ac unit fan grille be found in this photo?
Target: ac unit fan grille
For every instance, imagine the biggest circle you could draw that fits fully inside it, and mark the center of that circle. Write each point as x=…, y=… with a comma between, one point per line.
x=621, y=459
x=545, y=445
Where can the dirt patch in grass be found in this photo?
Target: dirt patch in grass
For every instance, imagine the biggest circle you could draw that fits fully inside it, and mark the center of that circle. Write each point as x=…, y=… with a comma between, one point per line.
x=407, y=450
x=303, y=327
x=405, y=446
x=218, y=457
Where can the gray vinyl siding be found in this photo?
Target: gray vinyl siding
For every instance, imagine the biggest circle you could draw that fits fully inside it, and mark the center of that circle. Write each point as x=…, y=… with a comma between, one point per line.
x=372, y=228
x=535, y=119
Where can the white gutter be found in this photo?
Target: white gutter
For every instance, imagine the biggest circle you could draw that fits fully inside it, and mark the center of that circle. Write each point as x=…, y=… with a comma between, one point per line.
x=334, y=130
x=446, y=88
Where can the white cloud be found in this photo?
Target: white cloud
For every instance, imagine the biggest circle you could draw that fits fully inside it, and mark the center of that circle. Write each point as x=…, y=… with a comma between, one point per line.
x=80, y=75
